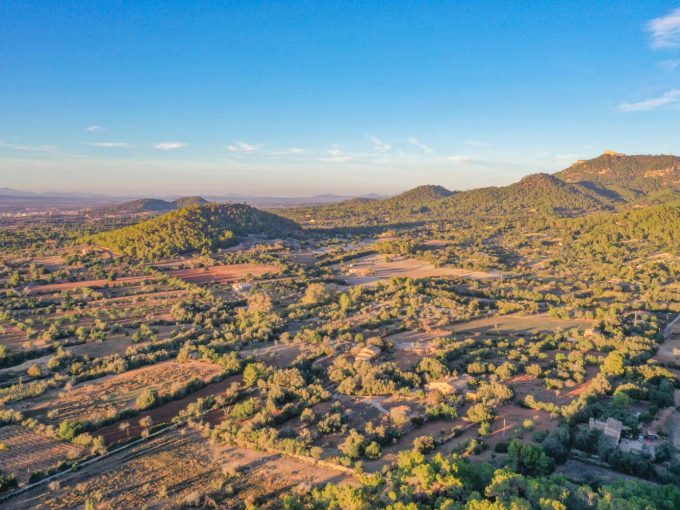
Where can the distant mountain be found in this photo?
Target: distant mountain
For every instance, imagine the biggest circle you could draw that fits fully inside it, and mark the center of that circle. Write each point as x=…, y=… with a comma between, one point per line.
x=628, y=177
x=10, y=192
x=151, y=205
x=275, y=202
x=192, y=229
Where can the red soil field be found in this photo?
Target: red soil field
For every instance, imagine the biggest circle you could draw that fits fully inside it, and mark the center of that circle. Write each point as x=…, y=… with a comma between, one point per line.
x=59, y=287
x=223, y=274
x=28, y=451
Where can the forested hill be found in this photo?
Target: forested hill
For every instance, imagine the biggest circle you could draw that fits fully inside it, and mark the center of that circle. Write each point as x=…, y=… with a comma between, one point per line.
x=187, y=201
x=199, y=228
x=537, y=194
x=634, y=233
x=152, y=205
x=628, y=176
x=419, y=194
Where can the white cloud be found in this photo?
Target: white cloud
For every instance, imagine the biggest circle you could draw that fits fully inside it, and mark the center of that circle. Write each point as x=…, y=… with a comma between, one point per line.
x=27, y=148
x=458, y=159
x=335, y=155
x=169, y=146
x=292, y=151
x=92, y=128
x=422, y=146
x=670, y=98
x=109, y=145
x=244, y=147
x=477, y=143
x=379, y=144
x=665, y=31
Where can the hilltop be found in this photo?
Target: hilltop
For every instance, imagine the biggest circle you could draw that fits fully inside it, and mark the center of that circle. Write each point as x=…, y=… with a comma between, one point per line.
x=188, y=201
x=627, y=176
x=198, y=228
x=423, y=193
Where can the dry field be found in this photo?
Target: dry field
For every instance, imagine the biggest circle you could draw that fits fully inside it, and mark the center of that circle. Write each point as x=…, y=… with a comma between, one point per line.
x=666, y=353
x=171, y=470
x=223, y=274
x=51, y=263
x=280, y=356
x=114, y=344
x=373, y=269
x=419, y=342
x=93, y=284
x=13, y=337
x=93, y=401
x=519, y=325
x=26, y=451
x=166, y=412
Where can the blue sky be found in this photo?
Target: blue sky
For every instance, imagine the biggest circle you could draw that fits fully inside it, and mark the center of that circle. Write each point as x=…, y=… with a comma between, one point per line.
x=296, y=98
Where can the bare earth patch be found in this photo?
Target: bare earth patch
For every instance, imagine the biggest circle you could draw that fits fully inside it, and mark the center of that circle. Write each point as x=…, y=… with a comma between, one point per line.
x=371, y=270
x=93, y=284
x=27, y=452
x=171, y=469
x=223, y=274
x=95, y=400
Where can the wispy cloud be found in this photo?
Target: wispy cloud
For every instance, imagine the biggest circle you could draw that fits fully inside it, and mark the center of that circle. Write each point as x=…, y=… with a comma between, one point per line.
x=27, y=148
x=669, y=65
x=670, y=98
x=169, y=146
x=109, y=145
x=92, y=128
x=379, y=144
x=426, y=149
x=459, y=159
x=336, y=155
x=292, y=151
x=244, y=147
x=665, y=30
x=477, y=143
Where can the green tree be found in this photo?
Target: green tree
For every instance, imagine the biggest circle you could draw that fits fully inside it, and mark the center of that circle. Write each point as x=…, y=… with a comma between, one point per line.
x=528, y=459
x=613, y=364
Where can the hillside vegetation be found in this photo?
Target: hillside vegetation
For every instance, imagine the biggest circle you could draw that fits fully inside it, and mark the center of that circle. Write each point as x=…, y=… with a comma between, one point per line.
x=423, y=193
x=604, y=183
x=192, y=229
x=534, y=193
x=630, y=176
x=539, y=194
x=627, y=235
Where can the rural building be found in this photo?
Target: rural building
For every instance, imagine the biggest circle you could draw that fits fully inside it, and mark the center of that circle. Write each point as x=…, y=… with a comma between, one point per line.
x=611, y=428
x=241, y=286
x=449, y=385
x=368, y=353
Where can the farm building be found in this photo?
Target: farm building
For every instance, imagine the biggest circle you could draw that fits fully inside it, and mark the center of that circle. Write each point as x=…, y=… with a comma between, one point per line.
x=449, y=385
x=611, y=428
x=242, y=286
x=368, y=353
